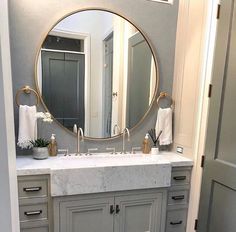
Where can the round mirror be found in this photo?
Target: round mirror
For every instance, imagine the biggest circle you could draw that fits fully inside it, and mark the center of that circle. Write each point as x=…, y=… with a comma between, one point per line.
x=96, y=70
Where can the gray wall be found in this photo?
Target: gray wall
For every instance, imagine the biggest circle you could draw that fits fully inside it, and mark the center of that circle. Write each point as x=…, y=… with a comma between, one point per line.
x=30, y=21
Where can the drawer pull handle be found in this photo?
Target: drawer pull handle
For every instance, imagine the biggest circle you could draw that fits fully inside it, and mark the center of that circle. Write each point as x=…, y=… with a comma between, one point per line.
x=33, y=213
x=117, y=208
x=179, y=178
x=32, y=189
x=112, y=210
x=177, y=198
x=176, y=223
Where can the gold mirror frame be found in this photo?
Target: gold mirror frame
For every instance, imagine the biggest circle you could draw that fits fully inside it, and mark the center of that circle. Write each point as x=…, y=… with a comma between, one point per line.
x=155, y=62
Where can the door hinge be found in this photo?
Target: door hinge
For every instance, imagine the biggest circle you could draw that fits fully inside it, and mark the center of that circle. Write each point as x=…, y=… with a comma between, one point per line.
x=218, y=11
x=210, y=90
x=196, y=224
x=203, y=161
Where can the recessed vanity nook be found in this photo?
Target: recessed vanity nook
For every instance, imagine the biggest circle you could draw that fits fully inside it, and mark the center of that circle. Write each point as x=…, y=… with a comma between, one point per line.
x=97, y=79
x=104, y=192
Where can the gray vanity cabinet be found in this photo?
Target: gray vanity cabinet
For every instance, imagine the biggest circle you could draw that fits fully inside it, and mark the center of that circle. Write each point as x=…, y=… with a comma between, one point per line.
x=178, y=198
x=133, y=211
x=34, y=203
x=86, y=215
x=139, y=213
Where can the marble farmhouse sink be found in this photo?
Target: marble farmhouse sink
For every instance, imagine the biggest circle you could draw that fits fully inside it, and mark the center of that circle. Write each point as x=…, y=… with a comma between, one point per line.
x=73, y=175
x=109, y=173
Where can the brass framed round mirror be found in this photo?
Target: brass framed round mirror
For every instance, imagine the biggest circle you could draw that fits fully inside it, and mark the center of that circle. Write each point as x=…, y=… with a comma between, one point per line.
x=95, y=69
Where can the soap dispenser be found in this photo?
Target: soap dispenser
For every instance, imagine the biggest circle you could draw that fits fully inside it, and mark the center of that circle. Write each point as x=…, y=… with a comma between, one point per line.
x=53, y=146
x=146, y=145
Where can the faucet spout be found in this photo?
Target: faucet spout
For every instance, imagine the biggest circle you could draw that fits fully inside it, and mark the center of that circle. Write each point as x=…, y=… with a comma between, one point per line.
x=80, y=137
x=126, y=130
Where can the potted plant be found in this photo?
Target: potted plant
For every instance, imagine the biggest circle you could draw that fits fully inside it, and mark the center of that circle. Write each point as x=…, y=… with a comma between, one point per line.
x=40, y=148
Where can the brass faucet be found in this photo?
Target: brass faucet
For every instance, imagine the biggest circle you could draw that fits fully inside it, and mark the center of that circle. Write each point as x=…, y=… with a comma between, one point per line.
x=80, y=137
x=126, y=130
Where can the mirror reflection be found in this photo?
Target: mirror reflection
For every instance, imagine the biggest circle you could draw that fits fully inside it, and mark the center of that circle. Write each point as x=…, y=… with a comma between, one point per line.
x=96, y=70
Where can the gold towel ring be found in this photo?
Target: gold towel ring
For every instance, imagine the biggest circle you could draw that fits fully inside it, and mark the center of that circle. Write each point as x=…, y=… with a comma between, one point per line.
x=163, y=95
x=27, y=90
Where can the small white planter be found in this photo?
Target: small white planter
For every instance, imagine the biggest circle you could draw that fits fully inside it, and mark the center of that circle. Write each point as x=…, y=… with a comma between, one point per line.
x=40, y=153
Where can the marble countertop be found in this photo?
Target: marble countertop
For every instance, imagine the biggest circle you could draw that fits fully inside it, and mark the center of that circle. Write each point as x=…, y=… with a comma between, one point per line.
x=103, y=172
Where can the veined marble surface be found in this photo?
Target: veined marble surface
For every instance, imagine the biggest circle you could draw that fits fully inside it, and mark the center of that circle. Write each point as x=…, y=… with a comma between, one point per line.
x=72, y=175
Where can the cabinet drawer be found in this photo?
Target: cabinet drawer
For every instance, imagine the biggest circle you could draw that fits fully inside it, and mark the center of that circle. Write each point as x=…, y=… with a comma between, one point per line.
x=32, y=188
x=176, y=221
x=178, y=197
x=33, y=212
x=180, y=177
x=35, y=229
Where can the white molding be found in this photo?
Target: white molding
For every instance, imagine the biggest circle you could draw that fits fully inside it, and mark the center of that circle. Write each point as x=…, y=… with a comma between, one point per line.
x=209, y=29
x=9, y=209
x=195, y=38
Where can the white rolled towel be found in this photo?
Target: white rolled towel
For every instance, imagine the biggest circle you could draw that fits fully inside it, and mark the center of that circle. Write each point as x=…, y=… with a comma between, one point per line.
x=27, y=126
x=164, y=124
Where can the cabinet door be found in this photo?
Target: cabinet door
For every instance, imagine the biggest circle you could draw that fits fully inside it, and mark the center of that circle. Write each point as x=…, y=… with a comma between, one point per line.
x=86, y=215
x=140, y=213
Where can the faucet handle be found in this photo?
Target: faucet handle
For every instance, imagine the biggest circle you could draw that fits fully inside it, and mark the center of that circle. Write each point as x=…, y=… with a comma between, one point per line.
x=90, y=150
x=112, y=149
x=134, y=149
x=65, y=151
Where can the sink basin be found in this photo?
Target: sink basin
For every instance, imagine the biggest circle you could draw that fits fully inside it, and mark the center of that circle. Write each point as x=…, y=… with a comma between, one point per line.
x=72, y=175
x=103, y=172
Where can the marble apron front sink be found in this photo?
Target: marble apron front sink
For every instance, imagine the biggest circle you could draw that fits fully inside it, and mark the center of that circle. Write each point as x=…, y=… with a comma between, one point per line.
x=106, y=173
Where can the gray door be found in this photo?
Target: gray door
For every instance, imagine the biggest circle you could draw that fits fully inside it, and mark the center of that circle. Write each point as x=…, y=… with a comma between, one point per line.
x=138, y=86
x=139, y=213
x=87, y=215
x=63, y=86
x=218, y=196
x=107, y=93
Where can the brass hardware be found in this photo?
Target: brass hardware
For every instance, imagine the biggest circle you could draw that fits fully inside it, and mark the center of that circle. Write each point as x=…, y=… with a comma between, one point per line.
x=27, y=90
x=165, y=95
x=155, y=64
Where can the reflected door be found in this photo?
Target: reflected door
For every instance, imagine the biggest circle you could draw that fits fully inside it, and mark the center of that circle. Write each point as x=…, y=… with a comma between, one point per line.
x=218, y=196
x=139, y=73
x=62, y=80
x=107, y=93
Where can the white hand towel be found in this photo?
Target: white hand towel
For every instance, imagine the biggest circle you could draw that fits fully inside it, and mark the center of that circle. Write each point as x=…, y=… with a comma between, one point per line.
x=164, y=124
x=27, y=126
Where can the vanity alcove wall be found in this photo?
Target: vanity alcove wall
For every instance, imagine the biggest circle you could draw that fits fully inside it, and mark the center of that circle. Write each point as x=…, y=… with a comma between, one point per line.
x=31, y=20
